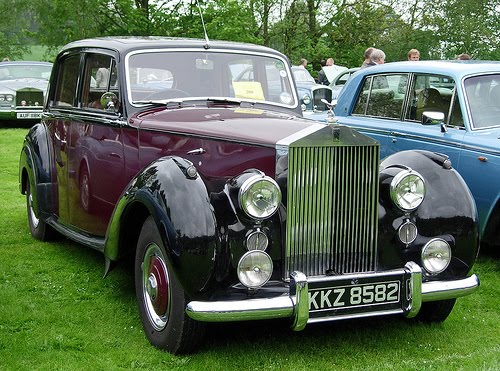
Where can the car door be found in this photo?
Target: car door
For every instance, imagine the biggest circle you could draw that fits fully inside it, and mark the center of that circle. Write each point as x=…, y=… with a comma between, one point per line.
x=96, y=166
x=379, y=107
x=390, y=108
x=58, y=123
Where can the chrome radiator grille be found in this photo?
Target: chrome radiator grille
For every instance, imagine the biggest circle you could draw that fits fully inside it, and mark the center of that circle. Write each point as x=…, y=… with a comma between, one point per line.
x=32, y=97
x=332, y=212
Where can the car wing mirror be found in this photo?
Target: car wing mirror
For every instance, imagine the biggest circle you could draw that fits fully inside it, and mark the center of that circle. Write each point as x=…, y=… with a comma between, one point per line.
x=108, y=101
x=434, y=118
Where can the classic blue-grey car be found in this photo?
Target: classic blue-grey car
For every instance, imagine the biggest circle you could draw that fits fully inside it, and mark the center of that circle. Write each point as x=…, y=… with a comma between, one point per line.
x=22, y=89
x=311, y=94
x=450, y=107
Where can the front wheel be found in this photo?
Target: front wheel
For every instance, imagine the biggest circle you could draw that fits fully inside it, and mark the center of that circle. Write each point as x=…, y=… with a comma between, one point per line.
x=38, y=227
x=435, y=311
x=161, y=298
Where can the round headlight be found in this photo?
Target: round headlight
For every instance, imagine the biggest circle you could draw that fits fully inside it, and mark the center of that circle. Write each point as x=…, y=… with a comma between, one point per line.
x=255, y=268
x=259, y=196
x=436, y=255
x=306, y=99
x=407, y=190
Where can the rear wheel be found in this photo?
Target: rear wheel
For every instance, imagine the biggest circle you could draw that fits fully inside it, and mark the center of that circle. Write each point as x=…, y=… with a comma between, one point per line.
x=39, y=228
x=161, y=298
x=435, y=311
x=85, y=190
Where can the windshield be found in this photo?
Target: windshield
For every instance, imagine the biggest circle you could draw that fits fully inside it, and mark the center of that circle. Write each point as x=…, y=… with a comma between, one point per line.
x=483, y=96
x=166, y=75
x=21, y=71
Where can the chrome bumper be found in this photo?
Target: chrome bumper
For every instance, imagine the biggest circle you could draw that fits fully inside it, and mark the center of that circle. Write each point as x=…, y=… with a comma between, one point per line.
x=296, y=305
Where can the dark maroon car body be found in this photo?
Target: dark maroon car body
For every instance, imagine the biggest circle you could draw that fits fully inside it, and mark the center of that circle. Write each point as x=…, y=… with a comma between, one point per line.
x=160, y=168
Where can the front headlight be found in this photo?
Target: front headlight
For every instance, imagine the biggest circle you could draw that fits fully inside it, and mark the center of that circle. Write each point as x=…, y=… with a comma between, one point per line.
x=306, y=99
x=407, y=190
x=436, y=255
x=259, y=196
x=255, y=268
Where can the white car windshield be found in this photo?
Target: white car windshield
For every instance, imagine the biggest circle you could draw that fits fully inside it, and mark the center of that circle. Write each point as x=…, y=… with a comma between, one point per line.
x=23, y=71
x=172, y=75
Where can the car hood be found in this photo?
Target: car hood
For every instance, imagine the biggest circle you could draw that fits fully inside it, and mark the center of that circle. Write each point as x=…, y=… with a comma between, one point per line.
x=17, y=84
x=247, y=125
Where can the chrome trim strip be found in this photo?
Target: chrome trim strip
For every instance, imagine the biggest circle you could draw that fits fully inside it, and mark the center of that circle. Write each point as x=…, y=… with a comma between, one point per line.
x=285, y=142
x=443, y=290
x=420, y=138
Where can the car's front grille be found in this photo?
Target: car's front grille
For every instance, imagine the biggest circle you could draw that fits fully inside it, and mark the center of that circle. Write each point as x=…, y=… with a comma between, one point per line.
x=321, y=93
x=332, y=204
x=30, y=96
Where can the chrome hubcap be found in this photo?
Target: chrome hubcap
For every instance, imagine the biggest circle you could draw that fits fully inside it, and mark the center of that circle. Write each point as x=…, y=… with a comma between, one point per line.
x=34, y=220
x=155, y=287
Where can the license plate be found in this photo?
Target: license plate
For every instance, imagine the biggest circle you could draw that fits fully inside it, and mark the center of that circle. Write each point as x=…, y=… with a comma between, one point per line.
x=29, y=115
x=346, y=296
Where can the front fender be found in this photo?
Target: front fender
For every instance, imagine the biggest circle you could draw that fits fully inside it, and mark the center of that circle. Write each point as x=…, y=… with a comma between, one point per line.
x=448, y=211
x=180, y=206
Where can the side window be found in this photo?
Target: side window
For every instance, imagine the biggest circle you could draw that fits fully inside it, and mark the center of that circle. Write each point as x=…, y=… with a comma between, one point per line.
x=100, y=77
x=67, y=80
x=431, y=93
x=382, y=96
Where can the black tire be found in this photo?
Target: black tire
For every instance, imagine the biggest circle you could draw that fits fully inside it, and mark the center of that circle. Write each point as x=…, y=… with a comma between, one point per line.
x=85, y=190
x=161, y=298
x=39, y=228
x=435, y=311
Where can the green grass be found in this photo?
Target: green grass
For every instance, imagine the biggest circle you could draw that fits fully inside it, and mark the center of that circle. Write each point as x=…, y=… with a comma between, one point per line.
x=57, y=312
x=40, y=53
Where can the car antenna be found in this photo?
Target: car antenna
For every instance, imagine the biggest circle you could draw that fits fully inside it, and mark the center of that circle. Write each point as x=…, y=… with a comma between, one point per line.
x=207, y=45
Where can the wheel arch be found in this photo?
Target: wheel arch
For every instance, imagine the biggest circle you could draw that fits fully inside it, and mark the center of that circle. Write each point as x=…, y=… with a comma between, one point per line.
x=35, y=167
x=181, y=209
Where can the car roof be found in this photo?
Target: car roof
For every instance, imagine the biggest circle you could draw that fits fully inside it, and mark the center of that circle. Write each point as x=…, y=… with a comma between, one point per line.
x=449, y=67
x=125, y=44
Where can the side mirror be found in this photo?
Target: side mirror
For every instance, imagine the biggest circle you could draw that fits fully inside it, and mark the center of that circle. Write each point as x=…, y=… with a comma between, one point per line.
x=434, y=118
x=108, y=101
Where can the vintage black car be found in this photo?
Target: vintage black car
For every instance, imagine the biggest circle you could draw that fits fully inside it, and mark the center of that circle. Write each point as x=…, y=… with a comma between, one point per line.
x=233, y=205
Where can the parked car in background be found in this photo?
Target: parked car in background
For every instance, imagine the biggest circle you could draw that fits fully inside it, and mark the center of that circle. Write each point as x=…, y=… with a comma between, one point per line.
x=450, y=107
x=339, y=81
x=310, y=92
x=233, y=206
x=22, y=89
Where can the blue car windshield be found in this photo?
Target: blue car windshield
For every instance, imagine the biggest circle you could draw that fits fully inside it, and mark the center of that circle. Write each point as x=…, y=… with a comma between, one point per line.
x=483, y=96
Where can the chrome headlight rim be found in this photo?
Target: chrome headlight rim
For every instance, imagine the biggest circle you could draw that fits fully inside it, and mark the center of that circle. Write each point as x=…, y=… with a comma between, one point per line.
x=245, y=193
x=252, y=272
x=306, y=99
x=398, y=181
x=426, y=255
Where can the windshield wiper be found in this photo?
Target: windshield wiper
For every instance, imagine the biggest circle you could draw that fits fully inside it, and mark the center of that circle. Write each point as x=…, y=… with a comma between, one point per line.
x=168, y=103
x=229, y=101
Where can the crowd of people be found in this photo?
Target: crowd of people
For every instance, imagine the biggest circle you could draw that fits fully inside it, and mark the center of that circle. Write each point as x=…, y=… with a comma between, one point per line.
x=372, y=57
